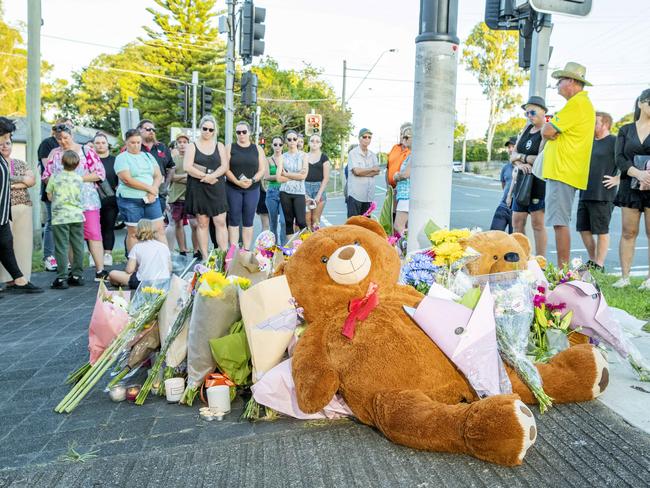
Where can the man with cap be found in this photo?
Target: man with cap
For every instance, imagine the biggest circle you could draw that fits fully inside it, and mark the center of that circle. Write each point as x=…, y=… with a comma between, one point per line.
x=569, y=139
x=502, y=218
x=363, y=166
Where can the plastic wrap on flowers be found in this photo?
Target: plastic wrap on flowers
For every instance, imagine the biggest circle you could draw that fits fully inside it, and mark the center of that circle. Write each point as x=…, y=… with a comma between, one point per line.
x=108, y=319
x=270, y=319
x=176, y=300
x=148, y=291
x=513, y=313
x=277, y=390
x=212, y=315
x=467, y=337
x=245, y=264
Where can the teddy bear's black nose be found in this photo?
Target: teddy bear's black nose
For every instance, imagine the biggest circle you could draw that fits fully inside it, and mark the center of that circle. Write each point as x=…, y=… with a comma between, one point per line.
x=347, y=253
x=511, y=257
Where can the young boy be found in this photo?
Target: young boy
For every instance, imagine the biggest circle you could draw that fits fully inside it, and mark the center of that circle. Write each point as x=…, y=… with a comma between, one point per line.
x=64, y=191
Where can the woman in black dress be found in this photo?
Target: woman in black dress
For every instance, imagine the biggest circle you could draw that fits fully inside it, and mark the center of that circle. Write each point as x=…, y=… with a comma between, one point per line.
x=633, y=140
x=108, y=212
x=206, y=164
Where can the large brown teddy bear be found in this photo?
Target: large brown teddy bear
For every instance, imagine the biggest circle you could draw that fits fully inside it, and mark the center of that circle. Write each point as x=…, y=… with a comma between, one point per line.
x=390, y=373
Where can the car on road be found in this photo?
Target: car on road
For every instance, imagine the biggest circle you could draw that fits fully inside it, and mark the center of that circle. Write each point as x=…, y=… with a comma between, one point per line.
x=458, y=167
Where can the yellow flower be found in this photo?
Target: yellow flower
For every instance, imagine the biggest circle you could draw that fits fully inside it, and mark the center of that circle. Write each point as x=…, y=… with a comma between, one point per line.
x=152, y=290
x=211, y=292
x=243, y=283
x=214, y=279
x=447, y=253
x=305, y=235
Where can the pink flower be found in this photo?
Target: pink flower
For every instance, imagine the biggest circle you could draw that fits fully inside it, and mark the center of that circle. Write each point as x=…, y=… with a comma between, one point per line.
x=539, y=301
x=541, y=289
x=556, y=307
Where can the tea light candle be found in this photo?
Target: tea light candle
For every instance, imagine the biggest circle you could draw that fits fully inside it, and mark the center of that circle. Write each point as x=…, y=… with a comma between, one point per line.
x=132, y=392
x=117, y=393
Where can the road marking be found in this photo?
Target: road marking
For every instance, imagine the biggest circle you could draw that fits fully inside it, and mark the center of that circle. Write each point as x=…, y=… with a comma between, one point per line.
x=472, y=195
x=609, y=249
x=476, y=188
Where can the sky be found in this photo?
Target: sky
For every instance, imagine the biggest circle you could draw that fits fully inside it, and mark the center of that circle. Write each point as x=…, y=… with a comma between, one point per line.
x=612, y=42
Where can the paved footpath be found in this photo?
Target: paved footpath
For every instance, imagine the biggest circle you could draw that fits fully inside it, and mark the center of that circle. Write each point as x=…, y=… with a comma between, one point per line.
x=45, y=336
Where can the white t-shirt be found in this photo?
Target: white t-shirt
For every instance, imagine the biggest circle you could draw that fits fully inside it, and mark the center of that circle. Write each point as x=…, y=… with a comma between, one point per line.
x=153, y=258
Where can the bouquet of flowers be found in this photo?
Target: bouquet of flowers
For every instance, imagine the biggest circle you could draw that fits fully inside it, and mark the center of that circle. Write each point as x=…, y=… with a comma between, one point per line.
x=513, y=313
x=550, y=329
x=215, y=309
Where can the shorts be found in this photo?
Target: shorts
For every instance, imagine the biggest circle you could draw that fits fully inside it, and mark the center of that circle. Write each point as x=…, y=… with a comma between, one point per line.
x=134, y=282
x=536, y=204
x=261, y=204
x=560, y=197
x=92, y=227
x=311, y=189
x=178, y=211
x=594, y=216
x=134, y=209
x=402, y=206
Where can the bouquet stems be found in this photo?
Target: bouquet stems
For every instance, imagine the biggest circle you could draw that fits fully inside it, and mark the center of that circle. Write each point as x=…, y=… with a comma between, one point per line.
x=119, y=377
x=109, y=356
x=177, y=327
x=189, y=395
x=77, y=374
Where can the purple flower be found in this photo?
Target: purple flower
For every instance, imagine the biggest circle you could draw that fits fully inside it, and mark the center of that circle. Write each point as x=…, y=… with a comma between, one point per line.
x=539, y=300
x=199, y=268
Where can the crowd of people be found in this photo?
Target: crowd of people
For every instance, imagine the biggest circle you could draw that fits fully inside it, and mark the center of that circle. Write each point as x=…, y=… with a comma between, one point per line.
x=551, y=160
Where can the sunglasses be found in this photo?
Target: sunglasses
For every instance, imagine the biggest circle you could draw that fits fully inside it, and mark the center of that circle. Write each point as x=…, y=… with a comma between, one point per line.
x=406, y=137
x=149, y=129
x=241, y=132
x=292, y=139
x=366, y=137
x=208, y=129
x=277, y=144
x=61, y=128
x=532, y=113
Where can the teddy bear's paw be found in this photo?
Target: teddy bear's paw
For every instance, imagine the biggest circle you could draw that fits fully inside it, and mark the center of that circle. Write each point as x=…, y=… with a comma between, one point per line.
x=500, y=429
x=528, y=425
x=602, y=373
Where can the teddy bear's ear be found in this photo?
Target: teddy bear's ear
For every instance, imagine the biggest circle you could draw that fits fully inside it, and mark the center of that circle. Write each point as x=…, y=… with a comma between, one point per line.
x=523, y=242
x=367, y=223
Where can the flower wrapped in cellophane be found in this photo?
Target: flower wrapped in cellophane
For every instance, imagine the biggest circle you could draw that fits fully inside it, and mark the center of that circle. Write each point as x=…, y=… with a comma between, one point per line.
x=215, y=309
x=513, y=314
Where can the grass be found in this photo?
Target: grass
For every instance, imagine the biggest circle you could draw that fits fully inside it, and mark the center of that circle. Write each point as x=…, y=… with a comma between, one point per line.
x=37, y=259
x=634, y=301
x=75, y=456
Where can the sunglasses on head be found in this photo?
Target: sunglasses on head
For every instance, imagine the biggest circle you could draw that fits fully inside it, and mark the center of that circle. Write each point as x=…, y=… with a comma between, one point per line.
x=241, y=132
x=149, y=129
x=532, y=113
x=292, y=139
x=207, y=129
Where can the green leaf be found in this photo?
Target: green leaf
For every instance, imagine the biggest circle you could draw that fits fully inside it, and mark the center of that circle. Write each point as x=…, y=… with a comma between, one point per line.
x=386, y=214
x=430, y=228
x=471, y=298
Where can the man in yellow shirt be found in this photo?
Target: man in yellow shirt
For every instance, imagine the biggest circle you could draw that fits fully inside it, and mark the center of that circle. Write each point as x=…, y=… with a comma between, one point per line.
x=569, y=138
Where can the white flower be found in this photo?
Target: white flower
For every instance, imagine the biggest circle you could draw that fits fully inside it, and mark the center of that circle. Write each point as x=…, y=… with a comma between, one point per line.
x=576, y=263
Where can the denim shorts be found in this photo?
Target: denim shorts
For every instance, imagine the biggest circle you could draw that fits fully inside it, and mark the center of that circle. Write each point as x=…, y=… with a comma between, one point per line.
x=134, y=209
x=311, y=189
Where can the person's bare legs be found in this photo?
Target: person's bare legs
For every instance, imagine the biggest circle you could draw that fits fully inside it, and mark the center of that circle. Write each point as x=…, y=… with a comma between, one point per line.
x=195, y=241
x=318, y=213
x=602, y=246
x=202, y=232
x=519, y=222
x=646, y=216
x=119, y=278
x=221, y=231
x=179, y=230
x=562, y=244
x=247, y=237
x=170, y=235
x=130, y=238
x=401, y=218
x=630, y=219
x=96, y=249
x=308, y=218
x=539, y=232
x=590, y=244
x=264, y=219
x=233, y=235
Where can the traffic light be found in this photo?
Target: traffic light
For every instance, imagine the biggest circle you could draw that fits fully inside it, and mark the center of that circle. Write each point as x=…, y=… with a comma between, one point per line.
x=313, y=124
x=252, y=31
x=501, y=14
x=184, y=103
x=249, y=89
x=206, y=100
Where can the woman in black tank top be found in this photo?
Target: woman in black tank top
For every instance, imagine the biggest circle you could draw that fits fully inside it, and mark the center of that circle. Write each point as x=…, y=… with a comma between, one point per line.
x=316, y=182
x=247, y=167
x=528, y=147
x=206, y=164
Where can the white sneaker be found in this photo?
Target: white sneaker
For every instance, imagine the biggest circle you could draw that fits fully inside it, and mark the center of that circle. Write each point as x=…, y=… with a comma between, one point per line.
x=622, y=283
x=50, y=263
x=645, y=285
x=108, y=259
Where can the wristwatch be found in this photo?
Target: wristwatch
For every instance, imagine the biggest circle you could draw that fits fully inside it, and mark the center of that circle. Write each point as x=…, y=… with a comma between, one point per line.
x=253, y=180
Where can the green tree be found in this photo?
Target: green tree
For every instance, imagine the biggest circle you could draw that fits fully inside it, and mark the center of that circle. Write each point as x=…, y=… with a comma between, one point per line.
x=504, y=131
x=277, y=116
x=491, y=56
x=183, y=40
x=626, y=119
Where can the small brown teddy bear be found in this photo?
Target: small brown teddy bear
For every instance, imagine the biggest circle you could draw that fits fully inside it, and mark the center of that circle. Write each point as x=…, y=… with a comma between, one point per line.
x=361, y=343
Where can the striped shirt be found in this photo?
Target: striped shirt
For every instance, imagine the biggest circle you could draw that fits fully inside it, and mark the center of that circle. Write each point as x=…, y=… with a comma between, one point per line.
x=5, y=192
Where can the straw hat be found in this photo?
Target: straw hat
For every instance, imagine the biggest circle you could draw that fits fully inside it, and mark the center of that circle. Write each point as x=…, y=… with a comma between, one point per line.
x=574, y=71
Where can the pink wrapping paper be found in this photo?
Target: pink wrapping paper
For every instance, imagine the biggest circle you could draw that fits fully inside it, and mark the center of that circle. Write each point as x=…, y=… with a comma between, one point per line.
x=466, y=337
x=106, y=323
x=276, y=390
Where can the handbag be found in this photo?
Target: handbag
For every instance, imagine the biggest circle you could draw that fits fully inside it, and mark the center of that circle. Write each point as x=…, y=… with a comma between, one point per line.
x=104, y=190
x=524, y=189
x=641, y=162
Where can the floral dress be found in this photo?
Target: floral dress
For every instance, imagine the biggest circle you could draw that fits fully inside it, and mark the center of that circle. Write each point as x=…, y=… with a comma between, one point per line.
x=89, y=162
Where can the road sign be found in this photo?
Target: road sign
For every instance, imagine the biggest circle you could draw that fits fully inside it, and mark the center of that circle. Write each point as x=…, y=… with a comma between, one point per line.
x=579, y=8
x=313, y=124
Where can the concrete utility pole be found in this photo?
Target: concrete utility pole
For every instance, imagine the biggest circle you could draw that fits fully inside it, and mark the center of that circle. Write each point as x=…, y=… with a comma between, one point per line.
x=344, y=139
x=34, y=22
x=195, y=89
x=230, y=72
x=434, y=99
x=539, y=57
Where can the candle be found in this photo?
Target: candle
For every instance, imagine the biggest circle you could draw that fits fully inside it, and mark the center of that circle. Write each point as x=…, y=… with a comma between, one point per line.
x=132, y=392
x=117, y=393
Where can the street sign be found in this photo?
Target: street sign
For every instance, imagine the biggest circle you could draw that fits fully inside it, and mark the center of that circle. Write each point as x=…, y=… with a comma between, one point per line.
x=129, y=119
x=313, y=124
x=578, y=8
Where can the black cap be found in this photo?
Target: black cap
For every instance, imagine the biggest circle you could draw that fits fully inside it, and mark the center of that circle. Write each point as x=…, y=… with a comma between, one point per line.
x=512, y=140
x=535, y=100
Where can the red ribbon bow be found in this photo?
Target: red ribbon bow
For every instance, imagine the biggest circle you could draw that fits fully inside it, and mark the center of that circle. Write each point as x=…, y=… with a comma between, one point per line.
x=360, y=309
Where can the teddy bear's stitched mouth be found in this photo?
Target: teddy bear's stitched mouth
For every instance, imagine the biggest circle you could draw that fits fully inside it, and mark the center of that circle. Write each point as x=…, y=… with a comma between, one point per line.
x=354, y=270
